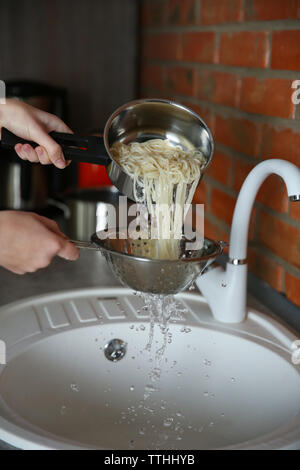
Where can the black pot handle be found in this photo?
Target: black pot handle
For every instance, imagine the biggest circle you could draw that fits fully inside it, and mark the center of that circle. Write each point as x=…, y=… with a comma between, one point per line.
x=87, y=149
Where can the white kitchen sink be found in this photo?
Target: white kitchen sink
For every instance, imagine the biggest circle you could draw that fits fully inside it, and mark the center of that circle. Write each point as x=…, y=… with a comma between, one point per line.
x=220, y=386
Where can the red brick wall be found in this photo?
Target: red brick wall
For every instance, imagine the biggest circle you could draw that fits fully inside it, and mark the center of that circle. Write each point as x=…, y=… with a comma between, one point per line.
x=234, y=62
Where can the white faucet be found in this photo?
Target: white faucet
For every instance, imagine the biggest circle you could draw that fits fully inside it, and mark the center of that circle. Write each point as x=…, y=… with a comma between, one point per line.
x=226, y=291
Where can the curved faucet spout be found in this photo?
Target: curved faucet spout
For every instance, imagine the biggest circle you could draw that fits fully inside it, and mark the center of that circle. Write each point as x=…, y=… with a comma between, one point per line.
x=226, y=291
x=242, y=212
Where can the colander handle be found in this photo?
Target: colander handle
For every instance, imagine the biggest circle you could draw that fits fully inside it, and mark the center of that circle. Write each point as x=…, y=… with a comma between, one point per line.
x=85, y=245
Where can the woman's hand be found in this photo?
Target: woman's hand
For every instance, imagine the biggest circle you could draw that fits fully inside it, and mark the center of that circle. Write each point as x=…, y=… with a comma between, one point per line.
x=29, y=242
x=33, y=124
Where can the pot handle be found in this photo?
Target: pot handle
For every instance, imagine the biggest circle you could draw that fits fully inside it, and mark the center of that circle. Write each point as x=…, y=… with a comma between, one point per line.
x=87, y=149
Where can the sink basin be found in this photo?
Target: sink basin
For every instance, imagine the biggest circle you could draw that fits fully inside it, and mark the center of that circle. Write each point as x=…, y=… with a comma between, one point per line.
x=218, y=386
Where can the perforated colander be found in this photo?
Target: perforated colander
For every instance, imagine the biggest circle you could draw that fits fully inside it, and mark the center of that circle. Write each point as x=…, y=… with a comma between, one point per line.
x=147, y=274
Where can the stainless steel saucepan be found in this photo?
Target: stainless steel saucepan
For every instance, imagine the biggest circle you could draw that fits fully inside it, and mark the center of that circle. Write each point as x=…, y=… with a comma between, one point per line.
x=137, y=121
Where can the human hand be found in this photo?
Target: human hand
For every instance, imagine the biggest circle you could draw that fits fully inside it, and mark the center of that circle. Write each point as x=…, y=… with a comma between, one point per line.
x=29, y=242
x=34, y=124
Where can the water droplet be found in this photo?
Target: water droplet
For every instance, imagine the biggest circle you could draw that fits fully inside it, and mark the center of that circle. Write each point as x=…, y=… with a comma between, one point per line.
x=147, y=408
x=206, y=394
x=206, y=362
x=74, y=387
x=185, y=329
x=131, y=327
x=211, y=424
x=151, y=388
x=142, y=327
x=131, y=388
x=233, y=380
x=223, y=415
x=142, y=431
x=63, y=410
x=168, y=422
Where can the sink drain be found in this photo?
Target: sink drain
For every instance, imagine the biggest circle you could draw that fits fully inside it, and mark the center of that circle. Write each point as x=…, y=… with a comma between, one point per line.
x=115, y=350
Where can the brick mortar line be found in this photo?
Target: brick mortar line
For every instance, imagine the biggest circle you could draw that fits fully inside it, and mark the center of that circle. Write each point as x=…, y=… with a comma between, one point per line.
x=220, y=224
x=261, y=143
x=259, y=247
x=234, y=166
x=219, y=109
x=198, y=11
x=276, y=123
x=270, y=48
x=241, y=27
x=236, y=154
x=264, y=251
x=244, y=8
x=208, y=190
x=217, y=46
x=238, y=71
x=282, y=216
x=282, y=280
x=226, y=111
x=256, y=223
x=239, y=91
x=215, y=184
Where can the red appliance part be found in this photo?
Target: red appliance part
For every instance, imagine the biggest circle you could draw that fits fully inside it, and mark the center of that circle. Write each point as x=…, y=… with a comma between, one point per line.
x=90, y=175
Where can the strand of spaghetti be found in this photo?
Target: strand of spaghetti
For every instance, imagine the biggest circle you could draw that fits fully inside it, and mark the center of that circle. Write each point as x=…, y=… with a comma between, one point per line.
x=165, y=178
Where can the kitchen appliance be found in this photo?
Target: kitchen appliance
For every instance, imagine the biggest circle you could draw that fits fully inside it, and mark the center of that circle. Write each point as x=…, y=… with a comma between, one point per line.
x=24, y=185
x=137, y=121
x=88, y=210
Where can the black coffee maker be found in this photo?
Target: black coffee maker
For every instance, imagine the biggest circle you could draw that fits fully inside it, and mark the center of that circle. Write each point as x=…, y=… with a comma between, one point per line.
x=25, y=185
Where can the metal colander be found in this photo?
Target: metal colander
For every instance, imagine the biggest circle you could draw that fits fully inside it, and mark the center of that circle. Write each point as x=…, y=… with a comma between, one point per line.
x=156, y=276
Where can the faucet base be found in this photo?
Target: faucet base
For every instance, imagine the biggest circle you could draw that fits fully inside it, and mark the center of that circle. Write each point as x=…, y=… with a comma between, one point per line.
x=226, y=292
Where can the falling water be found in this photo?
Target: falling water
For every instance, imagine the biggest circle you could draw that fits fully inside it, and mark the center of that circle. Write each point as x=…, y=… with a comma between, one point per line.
x=162, y=311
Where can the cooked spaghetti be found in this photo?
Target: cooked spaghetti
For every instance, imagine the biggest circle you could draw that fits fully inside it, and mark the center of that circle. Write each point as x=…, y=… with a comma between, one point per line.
x=165, y=178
